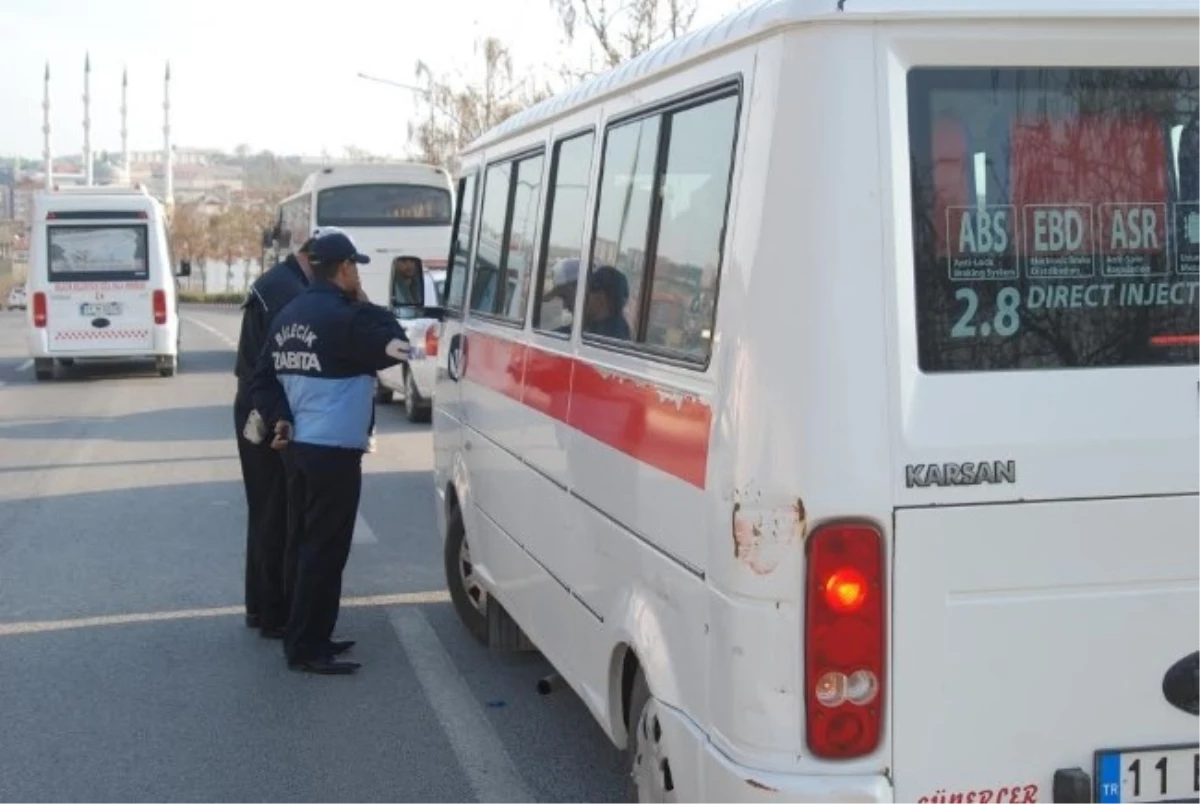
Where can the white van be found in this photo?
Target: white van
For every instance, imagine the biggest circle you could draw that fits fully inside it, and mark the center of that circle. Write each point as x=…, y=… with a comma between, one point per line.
x=100, y=282
x=857, y=461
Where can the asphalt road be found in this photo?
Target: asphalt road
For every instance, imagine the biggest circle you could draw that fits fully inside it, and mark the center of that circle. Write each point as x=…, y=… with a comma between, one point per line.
x=126, y=673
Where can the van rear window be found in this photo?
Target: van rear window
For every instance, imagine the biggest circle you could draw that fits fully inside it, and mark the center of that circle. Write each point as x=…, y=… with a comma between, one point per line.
x=1055, y=217
x=111, y=253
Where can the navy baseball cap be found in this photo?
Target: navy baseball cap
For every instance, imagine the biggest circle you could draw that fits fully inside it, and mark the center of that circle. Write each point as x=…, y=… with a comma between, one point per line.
x=335, y=247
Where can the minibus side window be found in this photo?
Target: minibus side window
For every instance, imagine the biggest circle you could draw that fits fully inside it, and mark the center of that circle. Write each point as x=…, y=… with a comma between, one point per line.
x=460, y=245
x=512, y=193
x=562, y=245
x=660, y=228
x=691, y=229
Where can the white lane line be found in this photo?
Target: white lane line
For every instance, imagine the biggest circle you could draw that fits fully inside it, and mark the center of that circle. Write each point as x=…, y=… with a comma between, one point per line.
x=481, y=755
x=362, y=532
x=25, y=366
x=41, y=626
x=212, y=330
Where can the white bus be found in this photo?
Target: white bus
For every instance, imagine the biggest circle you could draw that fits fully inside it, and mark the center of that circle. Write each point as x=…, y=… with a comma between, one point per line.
x=861, y=462
x=387, y=209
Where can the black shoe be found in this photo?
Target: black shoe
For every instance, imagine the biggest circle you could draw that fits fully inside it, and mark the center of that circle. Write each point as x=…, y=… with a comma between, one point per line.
x=252, y=621
x=337, y=648
x=271, y=632
x=325, y=665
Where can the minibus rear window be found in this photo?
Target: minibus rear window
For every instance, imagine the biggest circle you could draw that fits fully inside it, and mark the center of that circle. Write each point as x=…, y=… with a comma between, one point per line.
x=110, y=253
x=383, y=205
x=1055, y=217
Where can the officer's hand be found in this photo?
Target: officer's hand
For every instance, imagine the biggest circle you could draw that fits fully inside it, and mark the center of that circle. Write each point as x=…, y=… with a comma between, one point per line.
x=283, y=435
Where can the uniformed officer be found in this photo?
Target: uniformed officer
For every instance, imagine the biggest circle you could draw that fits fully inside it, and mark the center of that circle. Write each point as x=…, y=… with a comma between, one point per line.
x=314, y=386
x=262, y=468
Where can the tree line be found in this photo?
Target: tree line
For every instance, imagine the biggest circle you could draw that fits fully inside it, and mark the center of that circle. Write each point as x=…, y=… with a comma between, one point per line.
x=455, y=110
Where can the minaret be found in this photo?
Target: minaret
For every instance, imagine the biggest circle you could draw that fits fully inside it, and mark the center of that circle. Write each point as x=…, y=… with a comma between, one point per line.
x=87, y=120
x=125, y=127
x=168, y=157
x=46, y=155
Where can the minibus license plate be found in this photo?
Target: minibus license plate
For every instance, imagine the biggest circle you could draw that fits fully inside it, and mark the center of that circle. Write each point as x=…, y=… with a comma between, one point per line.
x=93, y=309
x=1169, y=773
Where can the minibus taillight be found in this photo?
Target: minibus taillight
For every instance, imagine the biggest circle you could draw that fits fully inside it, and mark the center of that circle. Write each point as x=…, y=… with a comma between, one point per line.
x=844, y=640
x=160, y=307
x=431, y=341
x=39, y=309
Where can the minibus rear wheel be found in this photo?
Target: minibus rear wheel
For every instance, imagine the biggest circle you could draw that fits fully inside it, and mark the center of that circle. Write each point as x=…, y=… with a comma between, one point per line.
x=43, y=369
x=466, y=588
x=649, y=765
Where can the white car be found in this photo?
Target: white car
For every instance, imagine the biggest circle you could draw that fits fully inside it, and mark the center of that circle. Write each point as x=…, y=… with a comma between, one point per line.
x=414, y=379
x=16, y=298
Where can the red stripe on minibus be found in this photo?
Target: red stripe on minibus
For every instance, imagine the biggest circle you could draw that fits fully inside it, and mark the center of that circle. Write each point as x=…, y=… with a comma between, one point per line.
x=657, y=426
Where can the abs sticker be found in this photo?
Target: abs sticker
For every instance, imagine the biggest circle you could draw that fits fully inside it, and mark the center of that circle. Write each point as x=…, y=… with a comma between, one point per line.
x=982, y=243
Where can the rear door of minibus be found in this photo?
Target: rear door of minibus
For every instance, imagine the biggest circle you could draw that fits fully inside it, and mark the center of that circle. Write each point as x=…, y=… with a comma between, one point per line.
x=99, y=297
x=1045, y=605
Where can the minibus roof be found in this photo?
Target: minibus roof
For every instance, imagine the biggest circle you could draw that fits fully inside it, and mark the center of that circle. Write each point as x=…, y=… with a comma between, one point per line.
x=768, y=16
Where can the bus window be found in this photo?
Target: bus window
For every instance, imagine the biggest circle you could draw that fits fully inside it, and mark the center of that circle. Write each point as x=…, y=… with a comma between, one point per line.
x=562, y=249
x=460, y=244
x=1035, y=245
x=383, y=205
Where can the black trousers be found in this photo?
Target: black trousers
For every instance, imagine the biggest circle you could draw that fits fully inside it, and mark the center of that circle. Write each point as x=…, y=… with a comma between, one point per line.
x=327, y=484
x=266, y=526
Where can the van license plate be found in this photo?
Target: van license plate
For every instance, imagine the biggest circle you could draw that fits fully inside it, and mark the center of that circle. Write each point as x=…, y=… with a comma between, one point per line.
x=93, y=309
x=1169, y=773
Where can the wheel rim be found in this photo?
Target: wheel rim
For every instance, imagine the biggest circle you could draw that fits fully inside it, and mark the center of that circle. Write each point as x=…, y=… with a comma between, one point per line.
x=470, y=580
x=651, y=766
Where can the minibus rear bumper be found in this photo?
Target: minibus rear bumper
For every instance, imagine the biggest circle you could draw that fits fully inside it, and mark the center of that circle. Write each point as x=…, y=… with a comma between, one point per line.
x=696, y=761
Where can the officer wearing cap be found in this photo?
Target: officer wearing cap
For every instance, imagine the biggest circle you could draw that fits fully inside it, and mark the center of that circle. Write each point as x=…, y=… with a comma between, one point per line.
x=314, y=386
x=263, y=475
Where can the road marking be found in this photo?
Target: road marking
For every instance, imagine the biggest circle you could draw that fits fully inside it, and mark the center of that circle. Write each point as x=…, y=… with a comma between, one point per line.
x=362, y=532
x=42, y=626
x=25, y=366
x=481, y=754
x=212, y=330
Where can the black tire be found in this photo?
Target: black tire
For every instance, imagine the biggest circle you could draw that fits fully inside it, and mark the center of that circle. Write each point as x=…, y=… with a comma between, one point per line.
x=167, y=366
x=474, y=619
x=639, y=697
x=383, y=394
x=43, y=369
x=416, y=409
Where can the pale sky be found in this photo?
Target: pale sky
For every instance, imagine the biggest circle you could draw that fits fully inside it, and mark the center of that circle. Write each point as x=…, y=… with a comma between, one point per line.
x=270, y=74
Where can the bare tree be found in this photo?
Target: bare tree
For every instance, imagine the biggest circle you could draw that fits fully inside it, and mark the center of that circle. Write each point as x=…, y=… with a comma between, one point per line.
x=457, y=112
x=622, y=30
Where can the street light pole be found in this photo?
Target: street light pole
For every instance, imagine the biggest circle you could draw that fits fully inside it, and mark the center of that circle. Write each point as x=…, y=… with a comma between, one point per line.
x=409, y=87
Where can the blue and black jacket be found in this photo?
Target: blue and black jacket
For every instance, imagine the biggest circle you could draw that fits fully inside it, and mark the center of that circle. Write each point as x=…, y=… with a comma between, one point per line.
x=269, y=294
x=318, y=366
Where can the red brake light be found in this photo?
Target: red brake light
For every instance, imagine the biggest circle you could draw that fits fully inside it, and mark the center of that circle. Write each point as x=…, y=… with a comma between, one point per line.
x=39, y=310
x=431, y=341
x=160, y=307
x=845, y=590
x=844, y=640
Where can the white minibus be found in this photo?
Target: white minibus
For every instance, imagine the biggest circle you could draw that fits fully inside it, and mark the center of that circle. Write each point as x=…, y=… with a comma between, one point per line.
x=389, y=210
x=101, y=282
x=834, y=432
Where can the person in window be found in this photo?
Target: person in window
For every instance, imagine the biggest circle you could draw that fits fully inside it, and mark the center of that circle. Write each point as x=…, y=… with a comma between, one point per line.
x=406, y=282
x=564, y=278
x=604, y=305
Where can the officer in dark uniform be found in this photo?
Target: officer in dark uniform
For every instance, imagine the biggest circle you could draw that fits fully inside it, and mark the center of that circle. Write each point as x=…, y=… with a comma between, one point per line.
x=314, y=387
x=262, y=468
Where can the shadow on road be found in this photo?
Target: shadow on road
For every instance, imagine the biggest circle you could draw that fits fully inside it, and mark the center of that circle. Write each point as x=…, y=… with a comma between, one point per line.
x=200, y=423
x=203, y=361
